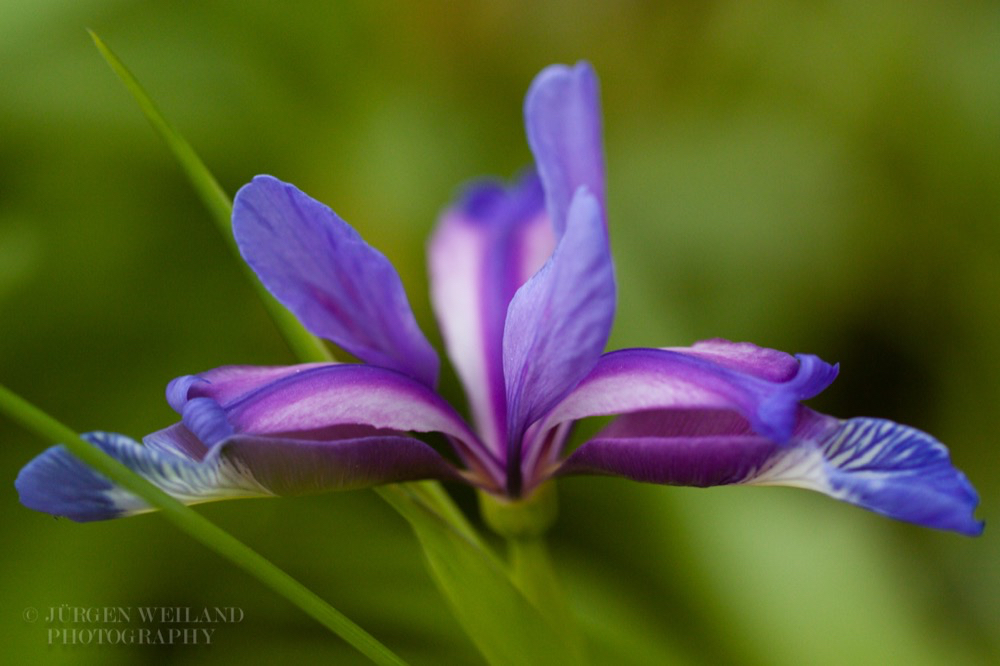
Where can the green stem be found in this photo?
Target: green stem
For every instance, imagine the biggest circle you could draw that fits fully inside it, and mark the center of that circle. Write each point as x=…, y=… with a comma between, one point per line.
x=523, y=523
x=197, y=526
x=532, y=572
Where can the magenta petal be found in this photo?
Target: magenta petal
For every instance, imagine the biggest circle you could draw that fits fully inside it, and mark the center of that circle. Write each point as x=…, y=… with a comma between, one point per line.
x=562, y=115
x=557, y=324
x=338, y=286
x=484, y=249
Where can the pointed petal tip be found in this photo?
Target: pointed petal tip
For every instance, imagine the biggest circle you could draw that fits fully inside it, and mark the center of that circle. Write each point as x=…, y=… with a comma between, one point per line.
x=562, y=117
x=340, y=287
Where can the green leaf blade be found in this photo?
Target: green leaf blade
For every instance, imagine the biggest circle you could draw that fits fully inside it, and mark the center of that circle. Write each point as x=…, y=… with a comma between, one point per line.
x=502, y=623
x=197, y=527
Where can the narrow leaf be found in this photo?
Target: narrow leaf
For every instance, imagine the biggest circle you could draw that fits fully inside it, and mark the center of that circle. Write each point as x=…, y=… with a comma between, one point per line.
x=197, y=526
x=502, y=623
x=306, y=347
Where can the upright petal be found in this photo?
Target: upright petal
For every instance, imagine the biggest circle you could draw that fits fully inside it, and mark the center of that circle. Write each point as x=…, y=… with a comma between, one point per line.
x=891, y=469
x=562, y=114
x=484, y=249
x=557, y=325
x=340, y=287
x=56, y=482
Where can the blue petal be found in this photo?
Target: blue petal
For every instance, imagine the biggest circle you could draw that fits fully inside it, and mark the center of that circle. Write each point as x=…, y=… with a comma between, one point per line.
x=891, y=469
x=57, y=482
x=557, y=325
x=339, y=287
x=899, y=472
x=562, y=116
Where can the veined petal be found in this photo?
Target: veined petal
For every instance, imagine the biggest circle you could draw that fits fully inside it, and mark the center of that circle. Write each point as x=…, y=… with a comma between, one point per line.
x=557, y=325
x=762, y=385
x=484, y=249
x=891, y=469
x=562, y=115
x=322, y=400
x=228, y=383
x=632, y=380
x=56, y=482
x=340, y=287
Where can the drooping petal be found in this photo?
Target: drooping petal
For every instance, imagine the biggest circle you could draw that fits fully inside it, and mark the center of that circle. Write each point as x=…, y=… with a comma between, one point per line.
x=557, y=324
x=484, y=249
x=338, y=286
x=318, y=401
x=891, y=469
x=562, y=115
x=56, y=482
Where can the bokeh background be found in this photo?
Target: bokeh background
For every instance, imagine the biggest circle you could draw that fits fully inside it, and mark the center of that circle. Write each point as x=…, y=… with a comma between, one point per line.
x=819, y=177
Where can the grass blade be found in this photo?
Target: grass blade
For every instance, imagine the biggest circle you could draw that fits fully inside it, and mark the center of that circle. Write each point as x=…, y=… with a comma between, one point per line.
x=198, y=527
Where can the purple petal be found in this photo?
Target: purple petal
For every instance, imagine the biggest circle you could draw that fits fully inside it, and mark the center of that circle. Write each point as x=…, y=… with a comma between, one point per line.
x=562, y=114
x=557, y=324
x=340, y=287
x=483, y=250
x=229, y=382
x=301, y=401
x=766, y=394
x=762, y=385
x=891, y=469
x=56, y=482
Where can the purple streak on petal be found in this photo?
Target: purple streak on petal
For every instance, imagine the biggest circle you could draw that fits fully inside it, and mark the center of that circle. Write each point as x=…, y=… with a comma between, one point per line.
x=763, y=385
x=685, y=448
x=228, y=383
x=557, y=325
x=340, y=287
x=483, y=250
x=562, y=114
x=328, y=396
x=879, y=465
x=631, y=380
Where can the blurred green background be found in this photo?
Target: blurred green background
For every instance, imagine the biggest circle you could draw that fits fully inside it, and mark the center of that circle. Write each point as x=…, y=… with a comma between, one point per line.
x=819, y=177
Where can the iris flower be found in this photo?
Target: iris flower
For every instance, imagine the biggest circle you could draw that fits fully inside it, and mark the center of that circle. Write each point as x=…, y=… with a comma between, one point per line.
x=524, y=291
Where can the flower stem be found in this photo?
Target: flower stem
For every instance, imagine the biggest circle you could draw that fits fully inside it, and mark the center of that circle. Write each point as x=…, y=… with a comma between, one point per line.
x=532, y=572
x=198, y=527
x=523, y=523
